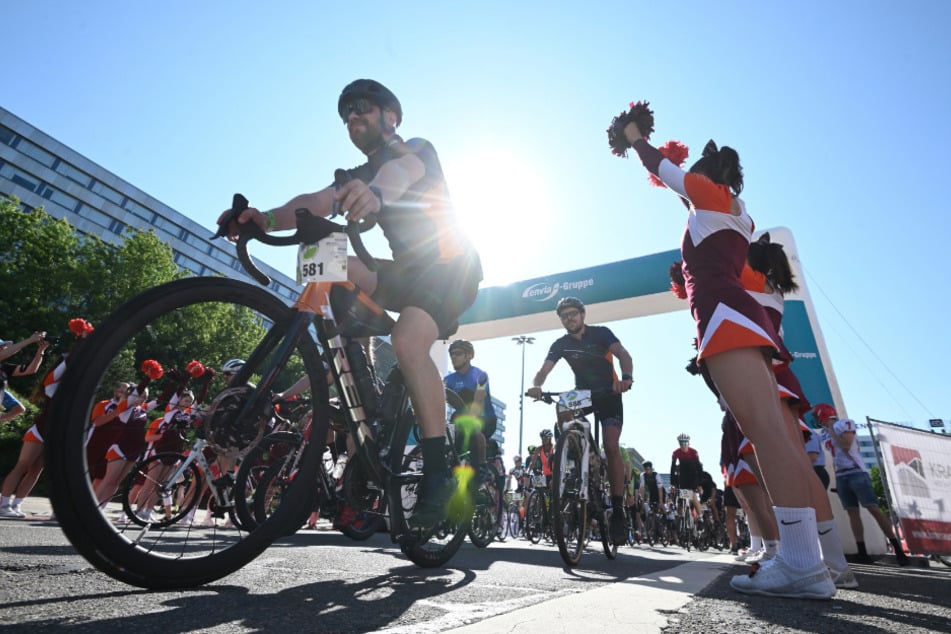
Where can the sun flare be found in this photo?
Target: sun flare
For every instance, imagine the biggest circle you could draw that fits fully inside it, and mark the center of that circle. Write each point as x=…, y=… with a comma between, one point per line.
x=504, y=206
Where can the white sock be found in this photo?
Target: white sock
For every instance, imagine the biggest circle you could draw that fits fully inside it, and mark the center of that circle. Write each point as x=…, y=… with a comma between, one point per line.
x=756, y=543
x=18, y=501
x=772, y=546
x=797, y=536
x=831, y=546
x=4, y=501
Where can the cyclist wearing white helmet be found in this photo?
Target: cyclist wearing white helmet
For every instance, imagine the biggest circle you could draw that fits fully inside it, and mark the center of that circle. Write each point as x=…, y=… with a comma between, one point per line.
x=590, y=351
x=231, y=367
x=435, y=271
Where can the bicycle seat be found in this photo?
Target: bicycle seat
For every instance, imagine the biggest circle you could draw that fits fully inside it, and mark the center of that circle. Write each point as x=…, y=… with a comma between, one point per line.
x=357, y=315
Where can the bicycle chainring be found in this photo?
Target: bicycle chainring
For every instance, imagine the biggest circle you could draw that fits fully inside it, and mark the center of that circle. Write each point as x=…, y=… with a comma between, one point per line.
x=225, y=431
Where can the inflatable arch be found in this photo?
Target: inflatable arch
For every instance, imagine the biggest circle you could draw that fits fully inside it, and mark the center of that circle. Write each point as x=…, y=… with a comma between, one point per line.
x=640, y=287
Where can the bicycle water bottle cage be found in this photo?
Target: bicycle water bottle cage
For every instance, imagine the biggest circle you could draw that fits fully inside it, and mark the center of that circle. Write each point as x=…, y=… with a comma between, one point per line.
x=357, y=315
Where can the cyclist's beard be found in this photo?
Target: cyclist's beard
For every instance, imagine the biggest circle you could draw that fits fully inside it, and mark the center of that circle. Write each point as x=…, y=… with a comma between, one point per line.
x=368, y=138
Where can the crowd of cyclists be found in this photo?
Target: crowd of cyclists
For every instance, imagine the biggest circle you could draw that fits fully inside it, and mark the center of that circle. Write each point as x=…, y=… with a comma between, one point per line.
x=431, y=282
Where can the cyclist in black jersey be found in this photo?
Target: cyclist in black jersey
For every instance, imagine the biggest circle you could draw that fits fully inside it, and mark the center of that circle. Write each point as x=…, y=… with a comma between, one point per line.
x=590, y=351
x=435, y=271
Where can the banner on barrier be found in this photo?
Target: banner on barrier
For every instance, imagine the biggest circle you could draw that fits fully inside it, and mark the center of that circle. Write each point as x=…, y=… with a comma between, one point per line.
x=918, y=469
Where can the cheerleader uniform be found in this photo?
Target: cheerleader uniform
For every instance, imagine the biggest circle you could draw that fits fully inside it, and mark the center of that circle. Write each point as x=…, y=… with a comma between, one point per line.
x=714, y=249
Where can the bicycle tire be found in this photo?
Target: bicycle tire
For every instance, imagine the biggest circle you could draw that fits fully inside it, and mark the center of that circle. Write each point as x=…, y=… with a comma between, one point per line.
x=431, y=548
x=535, y=517
x=151, y=324
x=189, y=484
x=256, y=469
x=569, y=510
x=604, y=520
x=484, y=516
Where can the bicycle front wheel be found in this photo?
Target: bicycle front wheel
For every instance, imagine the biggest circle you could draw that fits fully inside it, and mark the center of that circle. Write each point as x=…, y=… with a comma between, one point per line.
x=482, y=527
x=569, y=509
x=204, y=319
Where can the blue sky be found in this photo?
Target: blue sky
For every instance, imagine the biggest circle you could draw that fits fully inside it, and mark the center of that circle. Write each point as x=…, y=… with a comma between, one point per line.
x=838, y=111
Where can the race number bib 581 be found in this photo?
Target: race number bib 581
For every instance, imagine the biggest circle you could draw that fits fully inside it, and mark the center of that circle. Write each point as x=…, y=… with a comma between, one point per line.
x=325, y=261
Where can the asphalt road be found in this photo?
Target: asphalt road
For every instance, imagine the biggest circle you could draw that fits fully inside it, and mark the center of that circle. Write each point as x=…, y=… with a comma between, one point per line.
x=322, y=582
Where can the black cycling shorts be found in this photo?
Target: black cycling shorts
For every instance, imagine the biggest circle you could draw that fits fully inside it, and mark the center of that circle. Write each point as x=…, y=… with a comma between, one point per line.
x=443, y=289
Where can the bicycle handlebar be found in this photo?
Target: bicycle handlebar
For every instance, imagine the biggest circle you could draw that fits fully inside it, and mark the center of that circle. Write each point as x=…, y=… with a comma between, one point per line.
x=310, y=230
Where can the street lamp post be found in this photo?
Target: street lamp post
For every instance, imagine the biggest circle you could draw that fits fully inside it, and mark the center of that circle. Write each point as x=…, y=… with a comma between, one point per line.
x=522, y=340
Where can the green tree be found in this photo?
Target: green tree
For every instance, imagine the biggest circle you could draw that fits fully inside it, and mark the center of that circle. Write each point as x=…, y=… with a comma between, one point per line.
x=879, y=488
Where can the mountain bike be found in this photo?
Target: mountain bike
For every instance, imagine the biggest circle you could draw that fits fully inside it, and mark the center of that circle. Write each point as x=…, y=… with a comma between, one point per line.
x=280, y=344
x=579, y=476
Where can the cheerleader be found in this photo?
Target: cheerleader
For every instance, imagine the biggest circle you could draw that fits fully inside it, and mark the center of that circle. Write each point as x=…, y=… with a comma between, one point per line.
x=736, y=343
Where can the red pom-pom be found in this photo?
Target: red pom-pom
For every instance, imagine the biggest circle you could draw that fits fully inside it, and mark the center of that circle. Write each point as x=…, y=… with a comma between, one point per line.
x=675, y=152
x=195, y=369
x=677, y=282
x=80, y=327
x=152, y=369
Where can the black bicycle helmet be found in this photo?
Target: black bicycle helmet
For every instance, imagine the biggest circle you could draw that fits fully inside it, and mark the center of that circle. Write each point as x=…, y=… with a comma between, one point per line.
x=545, y=433
x=372, y=90
x=569, y=302
x=462, y=344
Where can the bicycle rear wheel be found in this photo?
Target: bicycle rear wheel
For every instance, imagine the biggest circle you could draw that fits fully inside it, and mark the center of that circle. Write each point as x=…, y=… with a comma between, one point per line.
x=207, y=319
x=604, y=520
x=569, y=510
x=433, y=547
x=157, y=478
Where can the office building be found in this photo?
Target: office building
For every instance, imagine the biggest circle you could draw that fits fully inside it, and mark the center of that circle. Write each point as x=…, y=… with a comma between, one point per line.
x=42, y=172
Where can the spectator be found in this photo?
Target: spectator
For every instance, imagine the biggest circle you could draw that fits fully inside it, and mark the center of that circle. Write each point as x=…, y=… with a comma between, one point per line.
x=852, y=481
x=22, y=478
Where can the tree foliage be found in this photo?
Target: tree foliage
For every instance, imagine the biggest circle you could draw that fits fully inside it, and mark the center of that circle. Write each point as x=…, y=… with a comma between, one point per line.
x=50, y=274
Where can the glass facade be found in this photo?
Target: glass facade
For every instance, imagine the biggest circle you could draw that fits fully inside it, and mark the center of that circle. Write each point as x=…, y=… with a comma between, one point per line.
x=41, y=171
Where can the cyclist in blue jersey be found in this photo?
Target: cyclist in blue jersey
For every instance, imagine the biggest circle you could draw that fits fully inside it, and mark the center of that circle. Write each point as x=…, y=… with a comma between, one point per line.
x=472, y=385
x=590, y=352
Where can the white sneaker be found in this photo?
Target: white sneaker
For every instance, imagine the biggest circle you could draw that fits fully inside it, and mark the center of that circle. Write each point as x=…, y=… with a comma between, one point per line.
x=209, y=519
x=7, y=511
x=189, y=518
x=18, y=510
x=145, y=515
x=742, y=555
x=776, y=578
x=844, y=578
x=122, y=519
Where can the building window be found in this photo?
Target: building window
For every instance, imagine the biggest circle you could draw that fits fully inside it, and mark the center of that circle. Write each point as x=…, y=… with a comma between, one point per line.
x=106, y=192
x=73, y=174
x=117, y=227
x=6, y=135
x=22, y=182
x=36, y=153
x=139, y=211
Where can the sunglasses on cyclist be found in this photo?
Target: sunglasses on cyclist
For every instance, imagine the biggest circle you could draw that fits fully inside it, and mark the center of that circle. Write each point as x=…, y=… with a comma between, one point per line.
x=359, y=106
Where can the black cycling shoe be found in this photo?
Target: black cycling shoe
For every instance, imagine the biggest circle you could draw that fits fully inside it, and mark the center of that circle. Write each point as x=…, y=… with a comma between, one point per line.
x=432, y=501
x=618, y=528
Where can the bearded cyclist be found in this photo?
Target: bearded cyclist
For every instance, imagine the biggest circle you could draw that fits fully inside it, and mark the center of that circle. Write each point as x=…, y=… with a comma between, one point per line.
x=435, y=271
x=590, y=352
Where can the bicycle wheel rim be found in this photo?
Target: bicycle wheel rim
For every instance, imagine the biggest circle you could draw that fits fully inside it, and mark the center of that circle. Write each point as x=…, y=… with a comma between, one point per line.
x=154, y=325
